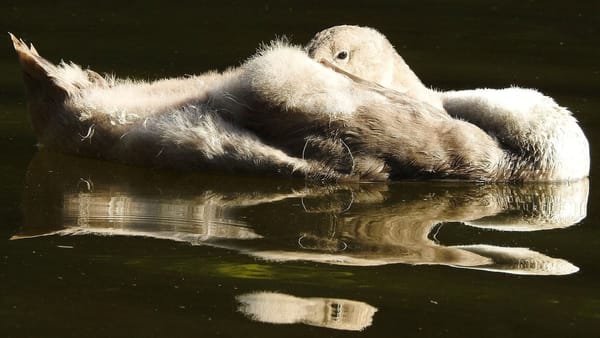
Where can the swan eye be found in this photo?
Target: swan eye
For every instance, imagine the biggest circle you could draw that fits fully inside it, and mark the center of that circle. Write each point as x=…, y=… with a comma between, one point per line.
x=343, y=55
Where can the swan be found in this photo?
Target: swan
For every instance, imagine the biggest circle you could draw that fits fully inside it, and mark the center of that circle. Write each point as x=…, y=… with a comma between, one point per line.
x=524, y=121
x=280, y=113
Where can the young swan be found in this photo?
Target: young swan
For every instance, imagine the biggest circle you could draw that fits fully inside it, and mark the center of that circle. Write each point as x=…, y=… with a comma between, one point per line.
x=524, y=121
x=280, y=113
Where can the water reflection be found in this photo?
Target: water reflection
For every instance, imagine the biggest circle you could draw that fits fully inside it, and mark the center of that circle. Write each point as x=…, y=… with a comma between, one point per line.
x=359, y=225
x=280, y=308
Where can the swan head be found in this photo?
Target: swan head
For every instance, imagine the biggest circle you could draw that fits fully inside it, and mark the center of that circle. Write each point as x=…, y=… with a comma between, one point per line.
x=368, y=54
x=361, y=51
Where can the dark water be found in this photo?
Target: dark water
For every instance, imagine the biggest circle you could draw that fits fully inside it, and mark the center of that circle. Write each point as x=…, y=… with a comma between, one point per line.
x=97, y=249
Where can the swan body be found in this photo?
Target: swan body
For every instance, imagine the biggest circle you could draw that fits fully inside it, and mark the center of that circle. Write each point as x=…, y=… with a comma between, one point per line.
x=524, y=121
x=279, y=113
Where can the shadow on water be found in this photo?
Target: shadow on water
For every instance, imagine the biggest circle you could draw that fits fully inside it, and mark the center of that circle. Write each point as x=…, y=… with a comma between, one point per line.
x=357, y=225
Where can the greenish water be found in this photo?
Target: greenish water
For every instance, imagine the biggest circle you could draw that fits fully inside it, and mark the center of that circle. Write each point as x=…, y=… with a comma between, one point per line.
x=98, y=249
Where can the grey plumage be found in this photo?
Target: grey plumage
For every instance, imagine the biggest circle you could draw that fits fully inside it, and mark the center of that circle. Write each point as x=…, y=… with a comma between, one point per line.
x=262, y=117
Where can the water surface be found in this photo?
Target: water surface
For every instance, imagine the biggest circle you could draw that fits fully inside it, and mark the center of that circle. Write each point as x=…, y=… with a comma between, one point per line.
x=99, y=249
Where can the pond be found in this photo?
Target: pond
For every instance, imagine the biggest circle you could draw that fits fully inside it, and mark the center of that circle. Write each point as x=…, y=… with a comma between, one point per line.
x=100, y=249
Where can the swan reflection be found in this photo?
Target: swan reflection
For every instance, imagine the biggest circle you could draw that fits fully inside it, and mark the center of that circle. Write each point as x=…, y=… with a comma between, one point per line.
x=357, y=225
x=332, y=313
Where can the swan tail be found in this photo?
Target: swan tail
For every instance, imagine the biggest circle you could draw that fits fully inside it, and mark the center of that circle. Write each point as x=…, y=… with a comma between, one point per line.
x=44, y=93
x=49, y=86
x=37, y=71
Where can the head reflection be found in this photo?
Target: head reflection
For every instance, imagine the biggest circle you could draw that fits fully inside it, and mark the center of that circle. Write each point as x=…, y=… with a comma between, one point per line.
x=280, y=308
x=357, y=225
